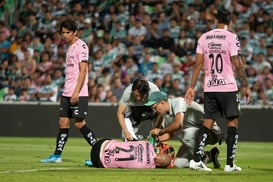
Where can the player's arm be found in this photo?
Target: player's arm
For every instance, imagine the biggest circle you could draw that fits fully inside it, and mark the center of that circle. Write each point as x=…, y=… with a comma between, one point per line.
x=175, y=125
x=158, y=121
x=83, y=66
x=121, y=119
x=165, y=137
x=189, y=97
x=240, y=69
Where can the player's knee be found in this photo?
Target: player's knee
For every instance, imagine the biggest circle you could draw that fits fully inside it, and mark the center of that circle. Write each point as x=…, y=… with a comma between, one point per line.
x=64, y=122
x=79, y=124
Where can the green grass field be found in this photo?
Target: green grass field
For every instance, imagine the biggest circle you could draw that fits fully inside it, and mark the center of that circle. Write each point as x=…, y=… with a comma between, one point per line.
x=19, y=162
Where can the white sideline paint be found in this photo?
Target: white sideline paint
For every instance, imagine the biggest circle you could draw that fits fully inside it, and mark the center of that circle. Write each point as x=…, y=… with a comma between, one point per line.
x=36, y=170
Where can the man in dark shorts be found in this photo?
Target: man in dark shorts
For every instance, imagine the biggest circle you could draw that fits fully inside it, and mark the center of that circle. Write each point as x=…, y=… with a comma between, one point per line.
x=74, y=100
x=218, y=53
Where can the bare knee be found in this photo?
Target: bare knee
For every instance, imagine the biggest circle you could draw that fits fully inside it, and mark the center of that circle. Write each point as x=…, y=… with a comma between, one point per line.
x=79, y=123
x=208, y=123
x=64, y=122
x=232, y=122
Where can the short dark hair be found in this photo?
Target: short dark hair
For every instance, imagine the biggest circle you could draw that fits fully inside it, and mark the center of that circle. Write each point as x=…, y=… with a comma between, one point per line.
x=141, y=85
x=223, y=16
x=69, y=24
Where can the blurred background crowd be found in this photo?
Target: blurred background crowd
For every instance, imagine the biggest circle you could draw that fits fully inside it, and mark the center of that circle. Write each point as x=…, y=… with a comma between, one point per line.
x=152, y=39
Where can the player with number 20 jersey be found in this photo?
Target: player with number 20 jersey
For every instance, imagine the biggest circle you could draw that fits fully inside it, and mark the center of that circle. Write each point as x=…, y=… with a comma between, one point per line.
x=217, y=46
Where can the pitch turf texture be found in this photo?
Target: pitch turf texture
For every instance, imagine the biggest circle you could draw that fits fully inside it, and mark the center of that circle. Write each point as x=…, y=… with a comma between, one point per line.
x=19, y=162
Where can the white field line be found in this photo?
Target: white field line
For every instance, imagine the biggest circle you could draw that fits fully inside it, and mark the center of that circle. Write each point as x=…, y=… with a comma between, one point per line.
x=36, y=170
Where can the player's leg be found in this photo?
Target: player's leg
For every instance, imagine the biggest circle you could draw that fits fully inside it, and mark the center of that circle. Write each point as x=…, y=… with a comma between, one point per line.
x=211, y=111
x=185, y=152
x=201, y=137
x=79, y=113
x=62, y=135
x=86, y=132
x=232, y=112
x=231, y=141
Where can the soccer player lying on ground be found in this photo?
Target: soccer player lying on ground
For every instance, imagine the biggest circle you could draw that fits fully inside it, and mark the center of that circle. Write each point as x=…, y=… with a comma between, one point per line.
x=174, y=115
x=108, y=153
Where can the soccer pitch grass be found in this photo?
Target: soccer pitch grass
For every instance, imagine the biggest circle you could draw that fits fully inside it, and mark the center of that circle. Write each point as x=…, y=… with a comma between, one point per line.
x=19, y=162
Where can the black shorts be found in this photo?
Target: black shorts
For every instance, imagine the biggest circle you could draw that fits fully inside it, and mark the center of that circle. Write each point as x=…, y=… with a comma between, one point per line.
x=95, y=153
x=221, y=105
x=78, y=111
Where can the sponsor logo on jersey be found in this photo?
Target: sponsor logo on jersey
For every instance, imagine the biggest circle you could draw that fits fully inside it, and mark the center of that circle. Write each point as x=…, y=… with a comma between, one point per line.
x=213, y=45
x=223, y=37
x=216, y=82
x=140, y=149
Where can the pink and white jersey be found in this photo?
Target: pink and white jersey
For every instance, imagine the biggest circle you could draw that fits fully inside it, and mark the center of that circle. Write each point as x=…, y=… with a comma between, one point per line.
x=132, y=154
x=76, y=53
x=217, y=46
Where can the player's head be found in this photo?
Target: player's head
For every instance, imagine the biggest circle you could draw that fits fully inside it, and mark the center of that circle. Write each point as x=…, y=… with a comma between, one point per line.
x=140, y=89
x=69, y=24
x=223, y=16
x=162, y=160
x=69, y=30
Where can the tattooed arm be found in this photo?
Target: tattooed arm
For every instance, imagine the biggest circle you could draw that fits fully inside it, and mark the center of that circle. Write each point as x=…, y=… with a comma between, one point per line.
x=240, y=69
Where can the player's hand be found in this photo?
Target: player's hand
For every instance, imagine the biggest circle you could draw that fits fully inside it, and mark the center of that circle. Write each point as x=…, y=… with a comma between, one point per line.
x=74, y=99
x=155, y=131
x=248, y=95
x=189, y=96
x=128, y=136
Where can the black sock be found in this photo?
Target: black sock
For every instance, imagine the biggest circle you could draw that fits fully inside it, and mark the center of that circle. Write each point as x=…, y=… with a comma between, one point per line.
x=88, y=135
x=201, y=137
x=206, y=158
x=61, y=140
x=231, y=141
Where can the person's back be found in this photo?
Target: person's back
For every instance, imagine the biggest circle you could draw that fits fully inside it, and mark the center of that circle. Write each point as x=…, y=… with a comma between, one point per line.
x=218, y=46
x=219, y=50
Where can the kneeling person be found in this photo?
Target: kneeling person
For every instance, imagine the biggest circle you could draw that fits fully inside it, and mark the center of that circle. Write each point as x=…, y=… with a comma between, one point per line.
x=175, y=115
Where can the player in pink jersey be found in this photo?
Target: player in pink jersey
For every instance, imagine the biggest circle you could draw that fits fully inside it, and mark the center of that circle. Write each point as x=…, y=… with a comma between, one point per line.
x=107, y=153
x=74, y=100
x=218, y=50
